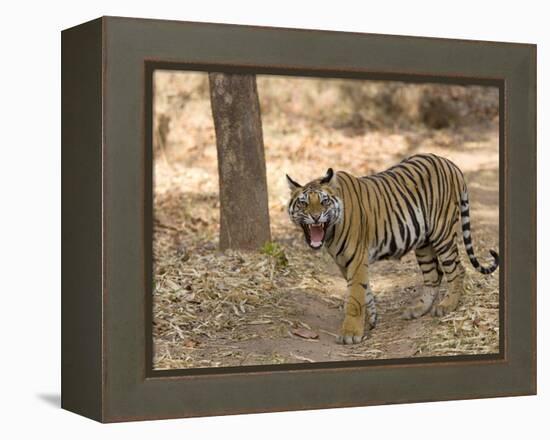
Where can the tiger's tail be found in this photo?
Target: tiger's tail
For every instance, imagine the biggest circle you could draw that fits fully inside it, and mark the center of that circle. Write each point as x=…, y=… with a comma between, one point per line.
x=467, y=236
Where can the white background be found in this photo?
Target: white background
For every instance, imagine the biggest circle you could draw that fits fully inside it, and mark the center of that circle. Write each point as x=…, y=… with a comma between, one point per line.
x=30, y=219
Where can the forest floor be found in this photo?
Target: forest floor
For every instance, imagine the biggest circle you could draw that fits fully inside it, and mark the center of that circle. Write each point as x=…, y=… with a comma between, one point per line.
x=284, y=303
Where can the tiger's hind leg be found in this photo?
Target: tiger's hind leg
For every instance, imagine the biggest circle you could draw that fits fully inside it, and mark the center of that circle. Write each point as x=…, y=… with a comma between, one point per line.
x=449, y=257
x=432, y=275
x=370, y=305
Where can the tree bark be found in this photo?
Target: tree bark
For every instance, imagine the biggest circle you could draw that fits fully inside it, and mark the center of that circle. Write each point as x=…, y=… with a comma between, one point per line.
x=244, y=213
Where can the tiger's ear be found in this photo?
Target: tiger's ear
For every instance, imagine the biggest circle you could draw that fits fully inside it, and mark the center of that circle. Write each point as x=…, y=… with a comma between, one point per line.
x=292, y=184
x=328, y=177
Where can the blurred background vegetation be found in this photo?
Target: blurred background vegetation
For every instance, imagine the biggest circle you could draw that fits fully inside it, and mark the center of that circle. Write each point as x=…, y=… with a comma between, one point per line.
x=351, y=106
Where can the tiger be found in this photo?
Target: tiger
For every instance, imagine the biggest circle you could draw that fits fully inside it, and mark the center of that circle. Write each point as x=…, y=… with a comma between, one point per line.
x=417, y=205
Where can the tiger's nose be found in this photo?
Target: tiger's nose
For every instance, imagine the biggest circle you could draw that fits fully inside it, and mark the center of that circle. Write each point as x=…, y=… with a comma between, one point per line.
x=316, y=218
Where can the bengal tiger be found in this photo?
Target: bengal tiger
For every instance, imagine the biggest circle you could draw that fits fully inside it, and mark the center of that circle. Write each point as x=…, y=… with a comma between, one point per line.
x=414, y=205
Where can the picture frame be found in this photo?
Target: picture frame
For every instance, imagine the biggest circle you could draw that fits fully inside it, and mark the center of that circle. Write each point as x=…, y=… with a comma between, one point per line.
x=107, y=66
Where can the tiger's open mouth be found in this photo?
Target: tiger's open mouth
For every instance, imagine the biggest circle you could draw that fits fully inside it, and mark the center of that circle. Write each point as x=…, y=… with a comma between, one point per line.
x=315, y=234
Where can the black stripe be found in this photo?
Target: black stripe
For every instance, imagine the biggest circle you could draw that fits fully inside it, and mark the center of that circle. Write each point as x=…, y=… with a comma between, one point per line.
x=421, y=193
x=346, y=233
x=444, y=235
x=362, y=220
x=431, y=269
x=386, y=235
x=393, y=245
x=427, y=174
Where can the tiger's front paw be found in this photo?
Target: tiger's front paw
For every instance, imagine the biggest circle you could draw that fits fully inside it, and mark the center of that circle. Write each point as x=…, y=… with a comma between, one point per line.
x=353, y=330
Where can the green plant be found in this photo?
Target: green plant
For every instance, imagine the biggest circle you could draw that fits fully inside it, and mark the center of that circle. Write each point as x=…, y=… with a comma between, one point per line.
x=276, y=252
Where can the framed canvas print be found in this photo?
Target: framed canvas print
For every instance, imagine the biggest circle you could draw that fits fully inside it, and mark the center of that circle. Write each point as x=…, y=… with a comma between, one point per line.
x=262, y=219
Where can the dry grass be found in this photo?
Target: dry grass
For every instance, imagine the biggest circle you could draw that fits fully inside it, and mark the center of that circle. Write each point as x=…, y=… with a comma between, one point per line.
x=236, y=308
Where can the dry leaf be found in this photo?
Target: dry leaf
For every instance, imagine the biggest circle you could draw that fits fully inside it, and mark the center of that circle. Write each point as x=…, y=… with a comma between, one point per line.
x=304, y=333
x=189, y=343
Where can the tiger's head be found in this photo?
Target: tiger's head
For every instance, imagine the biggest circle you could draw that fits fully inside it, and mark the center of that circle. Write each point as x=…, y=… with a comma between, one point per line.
x=315, y=207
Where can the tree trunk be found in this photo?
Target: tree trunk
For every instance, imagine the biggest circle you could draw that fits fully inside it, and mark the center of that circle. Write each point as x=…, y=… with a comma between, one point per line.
x=244, y=214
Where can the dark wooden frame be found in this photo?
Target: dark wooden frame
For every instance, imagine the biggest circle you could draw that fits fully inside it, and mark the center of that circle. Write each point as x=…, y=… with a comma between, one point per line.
x=107, y=66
